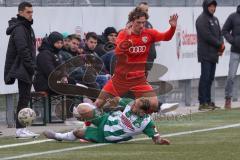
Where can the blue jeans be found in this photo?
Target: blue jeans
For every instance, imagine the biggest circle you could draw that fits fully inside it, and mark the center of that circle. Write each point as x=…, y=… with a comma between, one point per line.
x=207, y=76
x=102, y=80
x=233, y=67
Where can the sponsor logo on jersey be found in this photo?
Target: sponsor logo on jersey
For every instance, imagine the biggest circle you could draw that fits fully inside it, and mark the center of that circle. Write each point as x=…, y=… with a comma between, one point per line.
x=137, y=49
x=126, y=122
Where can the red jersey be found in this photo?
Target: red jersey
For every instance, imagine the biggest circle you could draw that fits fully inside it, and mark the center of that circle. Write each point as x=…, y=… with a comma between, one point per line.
x=131, y=61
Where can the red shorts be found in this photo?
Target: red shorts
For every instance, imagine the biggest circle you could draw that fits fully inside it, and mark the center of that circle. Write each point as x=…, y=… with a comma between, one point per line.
x=120, y=88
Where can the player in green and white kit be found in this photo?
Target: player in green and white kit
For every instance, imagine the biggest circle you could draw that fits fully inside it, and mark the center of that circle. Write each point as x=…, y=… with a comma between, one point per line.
x=115, y=126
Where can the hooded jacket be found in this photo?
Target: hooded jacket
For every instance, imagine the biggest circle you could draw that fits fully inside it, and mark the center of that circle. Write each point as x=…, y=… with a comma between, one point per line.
x=208, y=34
x=21, y=51
x=100, y=48
x=47, y=60
x=231, y=30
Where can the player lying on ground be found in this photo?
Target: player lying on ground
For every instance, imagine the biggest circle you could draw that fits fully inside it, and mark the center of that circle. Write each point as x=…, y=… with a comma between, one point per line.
x=113, y=127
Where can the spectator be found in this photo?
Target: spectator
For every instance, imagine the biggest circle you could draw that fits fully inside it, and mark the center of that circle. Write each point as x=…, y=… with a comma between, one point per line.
x=65, y=40
x=231, y=32
x=47, y=60
x=106, y=41
x=152, y=51
x=72, y=50
x=20, y=60
x=90, y=45
x=109, y=58
x=210, y=47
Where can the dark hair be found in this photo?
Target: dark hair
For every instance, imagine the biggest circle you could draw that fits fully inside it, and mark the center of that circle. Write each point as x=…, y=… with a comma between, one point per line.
x=136, y=14
x=142, y=3
x=91, y=35
x=74, y=36
x=23, y=5
x=145, y=104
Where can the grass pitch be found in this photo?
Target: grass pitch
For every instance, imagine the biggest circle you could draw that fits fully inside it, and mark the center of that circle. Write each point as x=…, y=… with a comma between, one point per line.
x=209, y=145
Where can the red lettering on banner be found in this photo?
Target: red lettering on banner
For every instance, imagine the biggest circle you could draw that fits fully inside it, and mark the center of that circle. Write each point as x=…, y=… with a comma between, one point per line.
x=189, y=39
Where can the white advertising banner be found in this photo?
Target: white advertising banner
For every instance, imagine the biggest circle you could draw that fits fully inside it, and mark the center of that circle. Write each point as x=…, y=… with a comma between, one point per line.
x=178, y=55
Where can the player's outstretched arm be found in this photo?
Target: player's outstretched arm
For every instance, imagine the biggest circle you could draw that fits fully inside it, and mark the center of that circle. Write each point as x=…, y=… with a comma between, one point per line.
x=173, y=20
x=165, y=36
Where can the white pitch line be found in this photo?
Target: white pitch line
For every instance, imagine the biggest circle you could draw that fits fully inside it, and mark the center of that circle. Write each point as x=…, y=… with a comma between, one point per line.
x=25, y=143
x=103, y=144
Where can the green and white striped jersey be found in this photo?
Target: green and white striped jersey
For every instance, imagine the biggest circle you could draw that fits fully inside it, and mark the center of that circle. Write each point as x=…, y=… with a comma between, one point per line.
x=123, y=125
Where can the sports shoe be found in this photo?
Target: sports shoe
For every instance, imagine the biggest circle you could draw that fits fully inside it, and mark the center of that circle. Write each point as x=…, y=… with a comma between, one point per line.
x=228, y=102
x=168, y=107
x=25, y=133
x=51, y=135
x=205, y=106
x=212, y=104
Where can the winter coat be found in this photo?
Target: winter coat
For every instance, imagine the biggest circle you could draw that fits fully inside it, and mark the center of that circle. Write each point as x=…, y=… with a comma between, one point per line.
x=208, y=35
x=47, y=60
x=21, y=51
x=231, y=30
x=100, y=50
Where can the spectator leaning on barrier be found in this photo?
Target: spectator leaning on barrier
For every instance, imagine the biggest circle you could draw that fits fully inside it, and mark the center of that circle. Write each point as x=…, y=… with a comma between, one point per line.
x=231, y=32
x=47, y=60
x=210, y=47
x=20, y=59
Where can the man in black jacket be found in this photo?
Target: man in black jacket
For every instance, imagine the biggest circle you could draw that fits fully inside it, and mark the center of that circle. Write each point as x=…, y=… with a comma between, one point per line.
x=20, y=59
x=231, y=32
x=98, y=78
x=47, y=61
x=106, y=41
x=210, y=47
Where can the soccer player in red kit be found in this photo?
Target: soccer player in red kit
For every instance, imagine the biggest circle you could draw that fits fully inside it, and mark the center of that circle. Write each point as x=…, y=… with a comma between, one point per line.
x=132, y=49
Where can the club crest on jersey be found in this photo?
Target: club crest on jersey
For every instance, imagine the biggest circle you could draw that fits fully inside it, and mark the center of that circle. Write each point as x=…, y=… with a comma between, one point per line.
x=145, y=39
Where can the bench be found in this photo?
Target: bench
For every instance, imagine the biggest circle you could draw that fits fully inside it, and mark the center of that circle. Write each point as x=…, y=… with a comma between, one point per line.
x=48, y=108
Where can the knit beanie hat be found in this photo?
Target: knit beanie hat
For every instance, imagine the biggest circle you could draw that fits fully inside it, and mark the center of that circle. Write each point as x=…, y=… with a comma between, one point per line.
x=109, y=30
x=54, y=37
